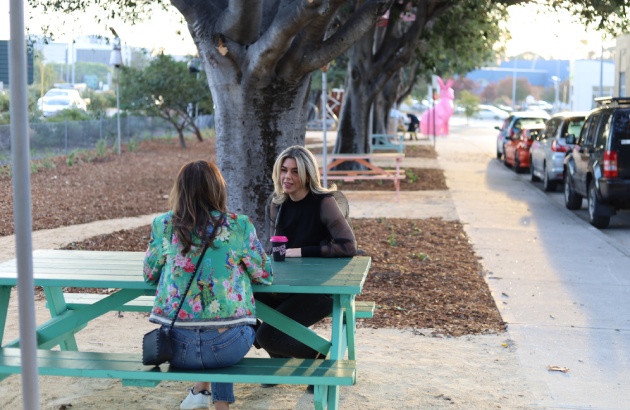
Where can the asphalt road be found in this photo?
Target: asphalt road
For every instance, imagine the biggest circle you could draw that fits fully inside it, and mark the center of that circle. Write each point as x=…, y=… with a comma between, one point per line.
x=562, y=285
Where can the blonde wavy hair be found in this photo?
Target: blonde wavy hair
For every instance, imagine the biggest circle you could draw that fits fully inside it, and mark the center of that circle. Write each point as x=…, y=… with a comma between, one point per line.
x=308, y=172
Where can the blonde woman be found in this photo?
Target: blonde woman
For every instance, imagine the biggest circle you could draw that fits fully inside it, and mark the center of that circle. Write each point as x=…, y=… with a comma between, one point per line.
x=214, y=327
x=308, y=215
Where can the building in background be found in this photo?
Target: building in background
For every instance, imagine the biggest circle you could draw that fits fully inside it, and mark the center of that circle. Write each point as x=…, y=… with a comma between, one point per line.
x=622, y=74
x=4, y=64
x=537, y=72
x=88, y=49
x=590, y=79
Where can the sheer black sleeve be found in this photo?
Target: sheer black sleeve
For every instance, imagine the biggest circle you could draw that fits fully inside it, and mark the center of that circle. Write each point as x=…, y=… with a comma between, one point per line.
x=343, y=241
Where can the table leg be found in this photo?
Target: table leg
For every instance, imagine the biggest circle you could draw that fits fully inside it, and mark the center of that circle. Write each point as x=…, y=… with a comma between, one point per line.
x=292, y=328
x=351, y=325
x=337, y=347
x=60, y=329
x=5, y=294
x=397, y=181
x=56, y=306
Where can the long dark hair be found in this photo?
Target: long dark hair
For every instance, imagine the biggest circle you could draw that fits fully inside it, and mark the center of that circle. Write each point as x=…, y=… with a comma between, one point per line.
x=198, y=190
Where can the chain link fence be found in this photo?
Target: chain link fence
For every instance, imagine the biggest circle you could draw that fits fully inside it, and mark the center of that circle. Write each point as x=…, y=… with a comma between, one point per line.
x=60, y=138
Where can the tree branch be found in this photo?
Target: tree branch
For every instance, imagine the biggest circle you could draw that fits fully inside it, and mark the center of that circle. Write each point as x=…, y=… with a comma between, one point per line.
x=274, y=43
x=359, y=23
x=240, y=21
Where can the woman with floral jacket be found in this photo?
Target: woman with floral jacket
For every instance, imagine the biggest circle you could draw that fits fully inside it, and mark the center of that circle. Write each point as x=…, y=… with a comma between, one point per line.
x=214, y=327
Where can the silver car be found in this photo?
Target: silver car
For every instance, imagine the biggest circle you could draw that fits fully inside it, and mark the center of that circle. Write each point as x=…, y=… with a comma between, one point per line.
x=548, y=151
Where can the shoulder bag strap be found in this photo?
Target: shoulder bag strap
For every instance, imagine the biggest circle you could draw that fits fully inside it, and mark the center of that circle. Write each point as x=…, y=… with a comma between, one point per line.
x=188, y=287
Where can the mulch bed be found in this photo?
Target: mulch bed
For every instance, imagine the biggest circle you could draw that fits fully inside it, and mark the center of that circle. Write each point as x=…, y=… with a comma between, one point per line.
x=424, y=275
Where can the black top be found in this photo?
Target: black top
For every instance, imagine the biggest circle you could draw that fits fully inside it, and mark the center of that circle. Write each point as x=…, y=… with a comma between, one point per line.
x=316, y=225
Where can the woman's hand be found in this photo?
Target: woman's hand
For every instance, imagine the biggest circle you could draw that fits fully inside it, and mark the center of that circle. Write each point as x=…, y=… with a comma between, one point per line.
x=293, y=253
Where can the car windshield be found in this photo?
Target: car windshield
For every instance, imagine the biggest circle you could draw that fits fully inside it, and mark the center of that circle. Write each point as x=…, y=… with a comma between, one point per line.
x=58, y=102
x=531, y=122
x=55, y=93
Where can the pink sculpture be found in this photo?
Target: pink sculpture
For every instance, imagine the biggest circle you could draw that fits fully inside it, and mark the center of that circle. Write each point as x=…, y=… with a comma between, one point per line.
x=441, y=112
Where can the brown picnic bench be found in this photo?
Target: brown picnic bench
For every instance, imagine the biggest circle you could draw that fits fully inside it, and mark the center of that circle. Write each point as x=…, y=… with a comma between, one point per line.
x=368, y=168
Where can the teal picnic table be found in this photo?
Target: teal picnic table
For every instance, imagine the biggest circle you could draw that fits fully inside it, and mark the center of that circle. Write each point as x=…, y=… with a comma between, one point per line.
x=54, y=270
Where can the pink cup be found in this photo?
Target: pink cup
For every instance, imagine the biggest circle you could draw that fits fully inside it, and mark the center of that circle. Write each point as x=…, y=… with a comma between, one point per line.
x=279, y=248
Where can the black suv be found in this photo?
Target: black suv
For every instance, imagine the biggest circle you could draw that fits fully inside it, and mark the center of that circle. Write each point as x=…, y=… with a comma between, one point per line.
x=598, y=168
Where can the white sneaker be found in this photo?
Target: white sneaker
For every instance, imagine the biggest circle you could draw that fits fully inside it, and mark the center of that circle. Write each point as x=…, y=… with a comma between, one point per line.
x=200, y=400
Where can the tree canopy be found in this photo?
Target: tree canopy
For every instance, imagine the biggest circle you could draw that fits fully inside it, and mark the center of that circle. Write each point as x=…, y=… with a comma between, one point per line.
x=167, y=89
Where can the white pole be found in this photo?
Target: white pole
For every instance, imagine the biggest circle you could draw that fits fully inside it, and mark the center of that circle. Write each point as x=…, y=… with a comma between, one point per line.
x=118, y=106
x=514, y=88
x=22, y=206
x=325, y=150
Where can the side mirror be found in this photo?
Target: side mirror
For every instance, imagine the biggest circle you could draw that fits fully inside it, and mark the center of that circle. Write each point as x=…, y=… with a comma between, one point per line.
x=497, y=128
x=570, y=139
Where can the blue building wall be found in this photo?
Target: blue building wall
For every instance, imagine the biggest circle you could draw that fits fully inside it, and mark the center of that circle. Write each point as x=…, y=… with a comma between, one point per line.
x=537, y=72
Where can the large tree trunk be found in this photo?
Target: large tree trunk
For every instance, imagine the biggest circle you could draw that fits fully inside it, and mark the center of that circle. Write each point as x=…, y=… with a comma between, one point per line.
x=355, y=115
x=373, y=60
x=258, y=57
x=253, y=128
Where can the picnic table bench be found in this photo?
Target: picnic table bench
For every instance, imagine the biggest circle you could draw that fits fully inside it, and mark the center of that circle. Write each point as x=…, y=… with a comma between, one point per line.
x=369, y=170
x=386, y=142
x=55, y=270
x=74, y=301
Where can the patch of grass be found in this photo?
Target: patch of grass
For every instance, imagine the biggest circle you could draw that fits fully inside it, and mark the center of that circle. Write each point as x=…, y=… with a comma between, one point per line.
x=132, y=145
x=48, y=163
x=392, y=240
x=6, y=171
x=35, y=166
x=411, y=176
x=72, y=158
x=422, y=256
x=101, y=148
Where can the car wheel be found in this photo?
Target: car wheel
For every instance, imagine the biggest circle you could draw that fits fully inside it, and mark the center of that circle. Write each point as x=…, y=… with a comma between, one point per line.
x=517, y=164
x=594, y=211
x=572, y=200
x=532, y=176
x=548, y=185
x=498, y=155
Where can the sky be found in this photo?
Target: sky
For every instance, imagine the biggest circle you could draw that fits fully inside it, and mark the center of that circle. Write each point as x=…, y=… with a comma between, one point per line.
x=551, y=35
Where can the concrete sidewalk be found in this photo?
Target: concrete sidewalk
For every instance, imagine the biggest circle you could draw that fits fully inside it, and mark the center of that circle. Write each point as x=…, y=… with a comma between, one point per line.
x=562, y=286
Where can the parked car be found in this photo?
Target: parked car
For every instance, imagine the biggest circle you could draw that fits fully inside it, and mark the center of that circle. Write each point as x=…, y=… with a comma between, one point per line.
x=515, y=122
x=516, y=148
x=53, y=105
x=547, y=152
x=57, y=99
x=540, y=105
x=598, y=168
x=490, y=112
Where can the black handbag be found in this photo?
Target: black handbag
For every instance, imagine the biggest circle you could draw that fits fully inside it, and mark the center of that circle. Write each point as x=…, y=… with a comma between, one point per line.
x=156, y=345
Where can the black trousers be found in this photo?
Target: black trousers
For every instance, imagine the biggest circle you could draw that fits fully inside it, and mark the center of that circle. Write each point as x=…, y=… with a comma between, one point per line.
x=304, y=309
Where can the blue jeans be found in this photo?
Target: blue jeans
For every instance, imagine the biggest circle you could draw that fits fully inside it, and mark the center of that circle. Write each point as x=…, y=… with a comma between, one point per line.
x=208, y=349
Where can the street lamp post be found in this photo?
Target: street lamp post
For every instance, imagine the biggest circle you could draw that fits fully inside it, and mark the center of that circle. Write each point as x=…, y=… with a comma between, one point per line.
x=556, y=86
x=115, y=59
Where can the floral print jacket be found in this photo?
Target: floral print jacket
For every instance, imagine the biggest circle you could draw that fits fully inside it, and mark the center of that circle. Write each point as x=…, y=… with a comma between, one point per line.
x=221, y=295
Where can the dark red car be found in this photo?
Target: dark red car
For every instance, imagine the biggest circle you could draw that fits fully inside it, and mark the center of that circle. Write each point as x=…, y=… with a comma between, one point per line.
x=516, y=149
